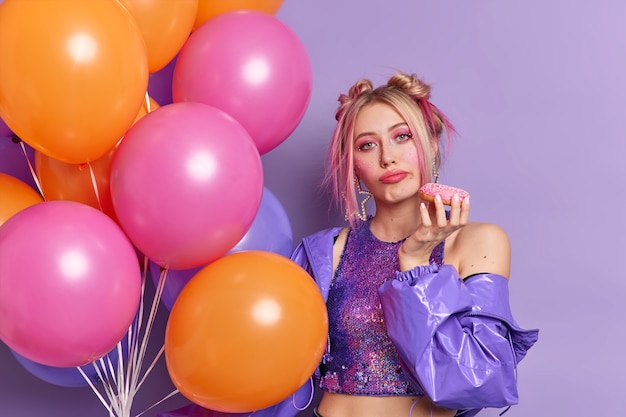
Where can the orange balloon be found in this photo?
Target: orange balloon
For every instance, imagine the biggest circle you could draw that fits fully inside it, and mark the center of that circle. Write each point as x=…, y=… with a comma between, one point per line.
x=246, y=332
x=15, y=196
x=73, y=77
x=62, y=181
x=210, y=8
x=165, y=25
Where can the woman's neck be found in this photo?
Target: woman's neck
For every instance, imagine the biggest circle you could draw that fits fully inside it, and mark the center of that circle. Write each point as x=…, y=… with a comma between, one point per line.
x=395, y=222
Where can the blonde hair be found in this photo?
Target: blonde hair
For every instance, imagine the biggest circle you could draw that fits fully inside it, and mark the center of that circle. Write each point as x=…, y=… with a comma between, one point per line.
x=409, y=96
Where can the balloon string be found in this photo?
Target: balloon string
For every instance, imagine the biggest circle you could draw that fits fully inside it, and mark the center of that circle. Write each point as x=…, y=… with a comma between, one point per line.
x=140, y=351
x=149, y=369
x=95, y=390
x=114, y=379
x=133, y=338
x=293, y=397
x=152, y=315
x=32, y=170
x=134, y=357
x=148, y=106
x=122, y=384
x=94, y=183
x=168, y=396
x=103, y=375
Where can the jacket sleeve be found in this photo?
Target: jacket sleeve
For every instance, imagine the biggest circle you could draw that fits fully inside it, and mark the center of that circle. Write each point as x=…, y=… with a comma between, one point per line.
x=300, y=257
x=457, y=339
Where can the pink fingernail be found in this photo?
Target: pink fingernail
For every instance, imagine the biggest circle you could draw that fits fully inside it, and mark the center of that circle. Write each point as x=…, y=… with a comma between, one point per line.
x=438, y=198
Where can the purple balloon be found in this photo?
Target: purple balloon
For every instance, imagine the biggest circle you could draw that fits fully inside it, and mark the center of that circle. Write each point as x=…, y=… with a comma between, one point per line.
x=160, y=83
x=13, y=161
x=175, y=280
x=68, y=377
x=271, y=229
x=290, y=407
x=5, y=131
x=194, y=410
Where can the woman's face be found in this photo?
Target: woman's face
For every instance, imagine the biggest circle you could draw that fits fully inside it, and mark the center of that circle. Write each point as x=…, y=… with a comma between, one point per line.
x=385, y=154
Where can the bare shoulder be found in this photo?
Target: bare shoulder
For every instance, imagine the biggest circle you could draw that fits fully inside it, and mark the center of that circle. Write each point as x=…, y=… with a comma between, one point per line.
x=482, y=247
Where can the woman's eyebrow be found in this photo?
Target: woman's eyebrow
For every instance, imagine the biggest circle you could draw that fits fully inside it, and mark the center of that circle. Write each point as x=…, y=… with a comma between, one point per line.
x=360, y=135
x=397, y=125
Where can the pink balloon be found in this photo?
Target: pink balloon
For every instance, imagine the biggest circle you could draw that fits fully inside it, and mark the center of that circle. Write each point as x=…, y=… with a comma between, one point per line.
x=186, y=184
x=70, y=283
x=252, y=66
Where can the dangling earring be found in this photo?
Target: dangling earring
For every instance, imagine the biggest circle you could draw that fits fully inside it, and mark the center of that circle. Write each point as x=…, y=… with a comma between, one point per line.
x=434, y=172
x=360, y=191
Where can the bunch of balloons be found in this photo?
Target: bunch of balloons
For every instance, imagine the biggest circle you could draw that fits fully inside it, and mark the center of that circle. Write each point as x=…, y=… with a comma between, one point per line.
x=133, y=130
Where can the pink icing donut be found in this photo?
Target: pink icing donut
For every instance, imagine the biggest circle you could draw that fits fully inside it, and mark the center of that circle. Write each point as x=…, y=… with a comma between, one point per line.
x=428, y=192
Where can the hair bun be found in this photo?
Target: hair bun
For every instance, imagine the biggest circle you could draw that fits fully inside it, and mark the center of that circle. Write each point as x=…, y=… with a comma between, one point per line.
x=355, y=91
x=411, y=85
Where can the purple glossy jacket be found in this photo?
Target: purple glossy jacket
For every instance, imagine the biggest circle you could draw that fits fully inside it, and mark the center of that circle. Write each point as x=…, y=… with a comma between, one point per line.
x=456, y=338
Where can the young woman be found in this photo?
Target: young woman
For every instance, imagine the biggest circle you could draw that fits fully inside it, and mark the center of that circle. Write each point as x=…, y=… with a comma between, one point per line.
x=417, y=295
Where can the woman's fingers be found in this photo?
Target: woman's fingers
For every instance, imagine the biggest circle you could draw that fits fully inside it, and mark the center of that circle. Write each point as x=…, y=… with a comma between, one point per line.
x=465, y=209
x=457, y=217
x=455, y=211
x=425, y=215
x=440, y=212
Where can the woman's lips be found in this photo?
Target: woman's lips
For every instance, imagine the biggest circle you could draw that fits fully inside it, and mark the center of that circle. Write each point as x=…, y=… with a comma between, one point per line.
x=392, y=177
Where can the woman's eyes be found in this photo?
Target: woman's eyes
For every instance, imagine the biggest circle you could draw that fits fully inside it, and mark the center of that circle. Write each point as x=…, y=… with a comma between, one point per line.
x=399, y=137
x=365, y=146
x=402, y=137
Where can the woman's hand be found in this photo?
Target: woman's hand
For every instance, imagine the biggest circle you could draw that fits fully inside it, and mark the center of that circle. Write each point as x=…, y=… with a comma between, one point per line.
x=433, y=229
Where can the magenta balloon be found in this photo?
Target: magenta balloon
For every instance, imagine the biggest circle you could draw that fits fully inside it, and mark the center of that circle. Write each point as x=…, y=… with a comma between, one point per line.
x=186, y=183
x=252, y=66
x=70, y=283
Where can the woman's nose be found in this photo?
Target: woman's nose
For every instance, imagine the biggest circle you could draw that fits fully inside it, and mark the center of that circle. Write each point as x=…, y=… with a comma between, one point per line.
x=386, y=156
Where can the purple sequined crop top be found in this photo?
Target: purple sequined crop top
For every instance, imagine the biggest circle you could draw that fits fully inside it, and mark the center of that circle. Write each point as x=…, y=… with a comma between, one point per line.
x=362, y=358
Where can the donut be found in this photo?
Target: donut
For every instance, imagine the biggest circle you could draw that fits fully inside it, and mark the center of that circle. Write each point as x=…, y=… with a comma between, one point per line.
x=428, y=191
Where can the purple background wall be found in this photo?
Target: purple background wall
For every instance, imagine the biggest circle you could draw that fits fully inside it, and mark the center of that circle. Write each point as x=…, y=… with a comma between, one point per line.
x=536, y=90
